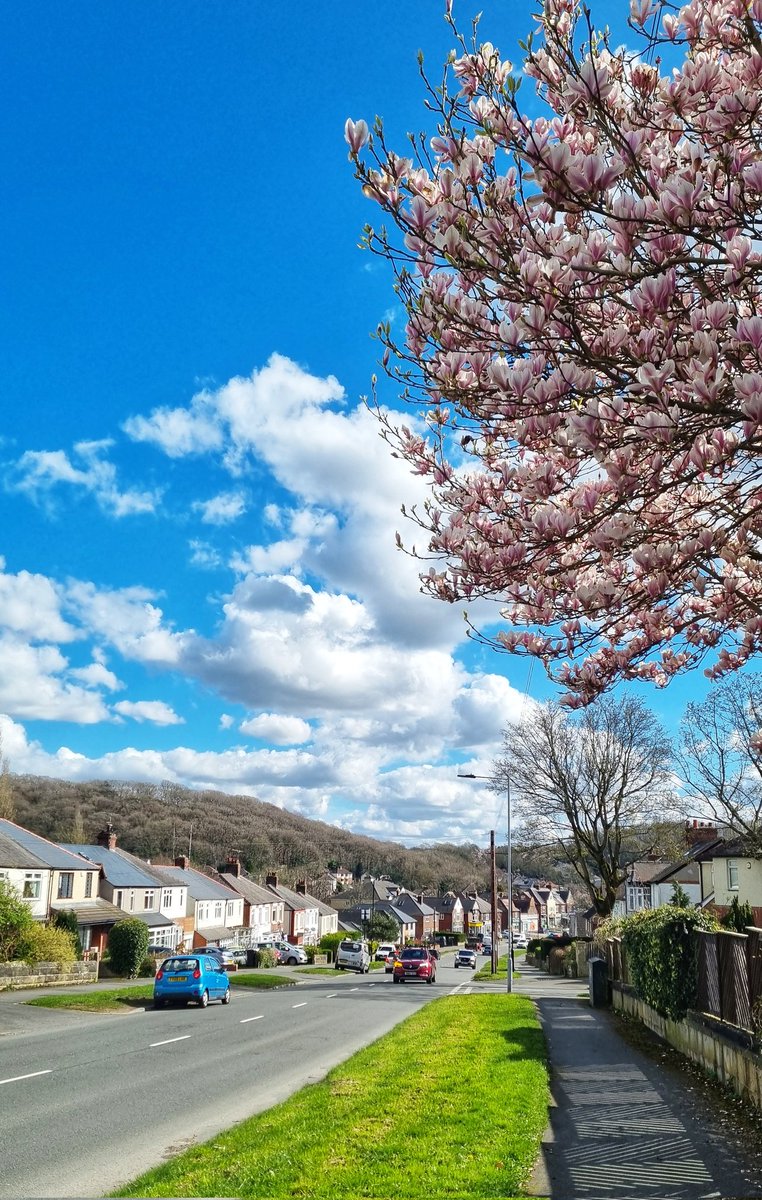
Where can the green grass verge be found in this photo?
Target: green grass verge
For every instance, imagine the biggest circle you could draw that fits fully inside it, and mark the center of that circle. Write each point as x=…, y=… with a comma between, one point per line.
x=452, y=1103
x=261, y=979
x=485, y=972
x=109, y=1000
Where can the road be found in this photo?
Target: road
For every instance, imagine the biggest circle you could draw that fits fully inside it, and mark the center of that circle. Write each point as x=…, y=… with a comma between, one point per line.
x=89, y=1101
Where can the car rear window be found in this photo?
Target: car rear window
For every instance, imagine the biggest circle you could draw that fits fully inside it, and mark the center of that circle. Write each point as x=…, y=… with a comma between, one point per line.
x=353, y=947
x=176, y=965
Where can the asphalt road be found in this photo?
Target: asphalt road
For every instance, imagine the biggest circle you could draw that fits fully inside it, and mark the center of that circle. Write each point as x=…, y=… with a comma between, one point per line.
x=89, y=1101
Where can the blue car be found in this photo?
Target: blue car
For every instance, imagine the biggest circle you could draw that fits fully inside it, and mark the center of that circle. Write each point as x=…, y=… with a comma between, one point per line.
x=197, y=977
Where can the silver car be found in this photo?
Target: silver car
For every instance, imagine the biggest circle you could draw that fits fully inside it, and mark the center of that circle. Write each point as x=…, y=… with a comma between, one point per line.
x=353, y=956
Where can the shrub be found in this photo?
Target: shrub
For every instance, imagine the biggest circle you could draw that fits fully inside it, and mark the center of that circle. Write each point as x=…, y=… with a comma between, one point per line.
x=662, y=956
x=329, y=942
x=266, y=958
x=738, y=916
x=68, y=920
x=15, y=921
x=47, y=943
x=128, y=944
x=557, y=960
x=148, y=966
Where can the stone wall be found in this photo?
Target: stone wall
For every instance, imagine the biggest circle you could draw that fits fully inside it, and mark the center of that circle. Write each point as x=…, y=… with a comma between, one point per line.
x=731, y=1056
x=15, y=975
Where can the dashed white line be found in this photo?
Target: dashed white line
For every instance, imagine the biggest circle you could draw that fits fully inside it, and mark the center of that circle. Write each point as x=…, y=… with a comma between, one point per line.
x=354, y=989
x=299, y=1005
x=246, y=1020
x=331, y=995
x=169, y=1041
x=31, y=1075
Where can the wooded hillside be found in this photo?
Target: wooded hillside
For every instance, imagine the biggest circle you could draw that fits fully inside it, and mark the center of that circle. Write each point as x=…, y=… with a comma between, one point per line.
x=159, y=822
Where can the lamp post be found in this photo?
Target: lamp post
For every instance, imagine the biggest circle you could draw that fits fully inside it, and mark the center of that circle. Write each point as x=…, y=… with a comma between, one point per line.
x=509, y=971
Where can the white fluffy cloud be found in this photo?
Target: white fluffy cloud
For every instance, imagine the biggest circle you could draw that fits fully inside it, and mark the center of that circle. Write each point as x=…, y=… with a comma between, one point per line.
x=38, y=473
x=156, y=712
x=280, y=731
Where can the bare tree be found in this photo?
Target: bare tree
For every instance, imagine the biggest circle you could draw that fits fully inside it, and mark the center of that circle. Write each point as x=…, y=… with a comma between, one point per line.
x=588, y=782
x=720, y=757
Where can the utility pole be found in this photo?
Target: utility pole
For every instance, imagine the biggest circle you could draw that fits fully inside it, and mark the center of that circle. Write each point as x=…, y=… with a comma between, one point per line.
x=493, y=901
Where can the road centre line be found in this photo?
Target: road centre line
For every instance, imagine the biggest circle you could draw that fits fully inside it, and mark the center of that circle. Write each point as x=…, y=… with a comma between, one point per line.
x=246, y=1020
x=332, y=995
x=354, y=989
x=169, y=1041
x=302, y=1005
x=31, y=1075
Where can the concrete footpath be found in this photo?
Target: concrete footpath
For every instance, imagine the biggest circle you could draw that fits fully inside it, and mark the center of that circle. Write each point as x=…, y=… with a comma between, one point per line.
x=622, y=1125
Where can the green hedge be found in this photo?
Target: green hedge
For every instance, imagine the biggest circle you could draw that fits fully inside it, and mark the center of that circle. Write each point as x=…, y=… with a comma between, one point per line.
x=662, y=956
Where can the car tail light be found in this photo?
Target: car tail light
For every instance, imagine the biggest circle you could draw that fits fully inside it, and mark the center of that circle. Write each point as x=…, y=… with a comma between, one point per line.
x=197, y=974
x=159, y=974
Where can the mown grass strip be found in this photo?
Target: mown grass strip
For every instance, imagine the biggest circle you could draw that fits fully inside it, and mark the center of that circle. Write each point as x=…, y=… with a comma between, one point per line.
x=253, y=979
x=109, y=1000
x=485, y=972
x=452, y=1103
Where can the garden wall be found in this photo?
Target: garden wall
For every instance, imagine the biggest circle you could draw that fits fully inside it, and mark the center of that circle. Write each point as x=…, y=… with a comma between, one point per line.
x=730, y=1057
x=14, y=975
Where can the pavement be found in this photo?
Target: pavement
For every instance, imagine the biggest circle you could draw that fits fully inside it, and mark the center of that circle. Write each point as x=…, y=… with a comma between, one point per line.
x=629, y=1124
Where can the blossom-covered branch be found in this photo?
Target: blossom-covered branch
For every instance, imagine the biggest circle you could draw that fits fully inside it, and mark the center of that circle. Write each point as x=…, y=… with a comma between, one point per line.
x=583, y=335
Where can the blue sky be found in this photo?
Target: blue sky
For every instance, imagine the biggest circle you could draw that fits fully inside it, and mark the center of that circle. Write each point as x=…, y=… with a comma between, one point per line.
x=198, y=575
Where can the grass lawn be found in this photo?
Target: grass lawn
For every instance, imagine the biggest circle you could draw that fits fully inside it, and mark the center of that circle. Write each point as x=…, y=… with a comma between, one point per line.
x=254, y=979
x=140, y=994
x=109, y=1000
x=452, y=1103
x=485, y=972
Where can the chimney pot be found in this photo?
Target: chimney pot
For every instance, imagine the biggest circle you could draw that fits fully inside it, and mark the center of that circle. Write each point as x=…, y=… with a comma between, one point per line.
x=182, y=861
x=233, y=865
x=271, y=880
x=301, y=887
x=107, y=837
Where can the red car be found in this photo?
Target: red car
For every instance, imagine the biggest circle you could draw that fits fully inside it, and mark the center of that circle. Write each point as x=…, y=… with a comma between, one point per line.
x=416, y=964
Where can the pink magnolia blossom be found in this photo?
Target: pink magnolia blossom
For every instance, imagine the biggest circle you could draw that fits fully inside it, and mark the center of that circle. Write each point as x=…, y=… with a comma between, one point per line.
x=583, y=291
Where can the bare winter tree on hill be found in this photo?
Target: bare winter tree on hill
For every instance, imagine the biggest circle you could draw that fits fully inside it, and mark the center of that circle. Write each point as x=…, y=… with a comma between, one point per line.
x=587, y=781
x=720, y=758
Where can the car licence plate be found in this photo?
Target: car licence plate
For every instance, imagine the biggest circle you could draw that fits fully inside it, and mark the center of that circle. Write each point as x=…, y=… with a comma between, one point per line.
x=175, y=979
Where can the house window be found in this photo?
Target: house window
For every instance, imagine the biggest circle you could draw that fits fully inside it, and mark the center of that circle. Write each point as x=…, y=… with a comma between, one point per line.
x=218, y=912
x=132, y=901
x=732, y=875
x=639, y=897
x=166, y=898
x=32, y=885
x=65, y=885
x=88, y=885
x=148, y=899
x=118, y=896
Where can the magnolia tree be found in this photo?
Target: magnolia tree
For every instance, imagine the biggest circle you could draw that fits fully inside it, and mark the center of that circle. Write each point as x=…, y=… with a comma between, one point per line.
x=582, y=291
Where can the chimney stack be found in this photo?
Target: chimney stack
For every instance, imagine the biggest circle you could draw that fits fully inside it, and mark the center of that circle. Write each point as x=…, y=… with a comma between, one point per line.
x=301, y=887
x=182, y=861
x=271, y=880
x=107, y=837
x=699, y=833
x=233, y=865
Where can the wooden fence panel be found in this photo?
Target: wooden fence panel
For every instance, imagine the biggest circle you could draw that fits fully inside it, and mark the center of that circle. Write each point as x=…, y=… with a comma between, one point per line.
x=708, y=974
x=734, y=979
x=754, y=964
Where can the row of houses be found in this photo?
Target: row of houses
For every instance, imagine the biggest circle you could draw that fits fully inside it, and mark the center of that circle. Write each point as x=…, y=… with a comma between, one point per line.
x=181, y=905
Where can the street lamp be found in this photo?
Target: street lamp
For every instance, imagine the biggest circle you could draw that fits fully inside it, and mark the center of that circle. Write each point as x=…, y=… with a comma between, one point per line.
x=509, y=972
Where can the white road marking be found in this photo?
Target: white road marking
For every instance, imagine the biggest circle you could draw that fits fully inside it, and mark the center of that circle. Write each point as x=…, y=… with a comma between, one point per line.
x=299, y=1005
x=31, y=1075
x=354, y=989
x=246, y=1020
x=331, y=995
x=169, y=1041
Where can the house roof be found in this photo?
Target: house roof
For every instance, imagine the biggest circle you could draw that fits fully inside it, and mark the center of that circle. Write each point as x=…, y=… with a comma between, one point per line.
x=687, y=871
x=200, y=886
x=443, y=904
x=120, y=869
x=12, y=854
x=251, y=891
x=292, y=899
x=725, y=849
x=215, y=933
x=646, y=872
x=91, y=912
x=49, y=853
x=407, y=901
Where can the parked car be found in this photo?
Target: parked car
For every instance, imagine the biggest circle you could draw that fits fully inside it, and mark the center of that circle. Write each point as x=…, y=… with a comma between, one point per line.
x=353, y=956
x=239, y=956
x=465, y=958
x=415, y=963
x=389, y=962
x=221, y=953
x=520, y=942
x=197, y=977
x=292, y=956
x=383, y=951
